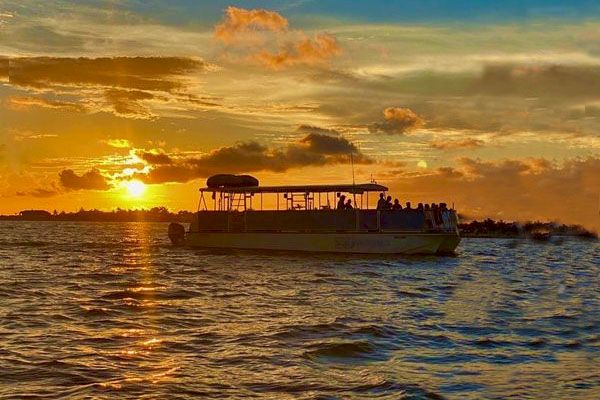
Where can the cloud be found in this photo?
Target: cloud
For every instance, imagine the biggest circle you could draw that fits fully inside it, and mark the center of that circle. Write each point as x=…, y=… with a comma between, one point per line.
x=155, y=157
x=117, y=143
x=90, y=180
x=456, y=144
x=398, y=121
x=316, y=129
x=122, y=85
x=324, y=144
x=313, y=149
x=25, y=135
x=127, y=103
x=306, y=51
x=545, y=80
x=240, y=21
x=263, y=37
x=26, y=102
x=524, y=189
x=142, y=73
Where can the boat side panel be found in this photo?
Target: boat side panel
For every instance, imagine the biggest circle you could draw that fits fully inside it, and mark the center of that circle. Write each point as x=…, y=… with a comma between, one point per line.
x=381, y=243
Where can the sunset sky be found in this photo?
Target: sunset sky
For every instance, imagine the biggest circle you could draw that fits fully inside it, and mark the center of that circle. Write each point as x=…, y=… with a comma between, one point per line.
x=491, y=105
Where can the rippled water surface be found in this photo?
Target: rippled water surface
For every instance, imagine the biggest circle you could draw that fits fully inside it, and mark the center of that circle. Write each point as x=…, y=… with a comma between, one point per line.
x=113, y=311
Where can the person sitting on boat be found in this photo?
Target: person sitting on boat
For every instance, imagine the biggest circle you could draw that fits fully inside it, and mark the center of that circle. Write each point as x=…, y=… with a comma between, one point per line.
x=348, y=205
x=397, y=205
x=408, y=207
x=388, y=203
x=381, y=203
x=341, y=203
x=420, y=207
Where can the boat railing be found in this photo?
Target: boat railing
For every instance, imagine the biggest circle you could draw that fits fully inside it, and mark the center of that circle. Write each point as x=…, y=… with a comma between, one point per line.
x=326, y=221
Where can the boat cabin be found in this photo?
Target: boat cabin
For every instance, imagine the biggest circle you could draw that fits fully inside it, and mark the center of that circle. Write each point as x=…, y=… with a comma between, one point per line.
x=309, y=208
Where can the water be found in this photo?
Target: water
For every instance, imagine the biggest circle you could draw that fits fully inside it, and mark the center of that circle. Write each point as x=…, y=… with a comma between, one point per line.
x=112, y=311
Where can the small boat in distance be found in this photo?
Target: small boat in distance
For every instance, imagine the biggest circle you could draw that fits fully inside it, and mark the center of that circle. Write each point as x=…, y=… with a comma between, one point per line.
x=304, y=218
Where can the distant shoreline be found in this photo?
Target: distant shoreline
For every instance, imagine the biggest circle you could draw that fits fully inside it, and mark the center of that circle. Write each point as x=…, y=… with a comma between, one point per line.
x=486, y=229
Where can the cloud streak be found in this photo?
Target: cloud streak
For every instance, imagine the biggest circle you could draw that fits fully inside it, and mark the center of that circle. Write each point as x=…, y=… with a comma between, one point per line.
x=468, y=143
x=122, y=85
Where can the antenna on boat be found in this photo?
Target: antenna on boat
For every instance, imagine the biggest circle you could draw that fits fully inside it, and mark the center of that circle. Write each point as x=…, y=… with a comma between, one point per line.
x=352, y=163
x=353, y=180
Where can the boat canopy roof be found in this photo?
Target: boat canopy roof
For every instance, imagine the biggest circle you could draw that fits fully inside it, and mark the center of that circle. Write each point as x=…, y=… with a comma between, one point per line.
x=349, y=188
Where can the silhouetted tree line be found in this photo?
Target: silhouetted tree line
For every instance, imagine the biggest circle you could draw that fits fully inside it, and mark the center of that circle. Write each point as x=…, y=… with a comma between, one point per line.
x=491, y=228
x=155, y=214
x=485, y=228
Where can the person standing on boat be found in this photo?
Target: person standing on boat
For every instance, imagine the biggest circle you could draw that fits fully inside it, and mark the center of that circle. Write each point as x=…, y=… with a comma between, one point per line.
x=381, y=203
x=341, y=203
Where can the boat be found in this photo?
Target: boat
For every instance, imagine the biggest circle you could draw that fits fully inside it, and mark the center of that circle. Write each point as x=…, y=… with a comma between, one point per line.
x=302, y=218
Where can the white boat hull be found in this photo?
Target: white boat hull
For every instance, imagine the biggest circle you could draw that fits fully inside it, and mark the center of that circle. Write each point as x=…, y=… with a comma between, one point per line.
x=368, y=243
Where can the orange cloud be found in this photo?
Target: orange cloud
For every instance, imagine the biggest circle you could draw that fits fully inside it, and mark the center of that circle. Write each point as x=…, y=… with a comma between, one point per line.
x=239, y=21
x=306, y=51
x=398, y=121
x=241, y=28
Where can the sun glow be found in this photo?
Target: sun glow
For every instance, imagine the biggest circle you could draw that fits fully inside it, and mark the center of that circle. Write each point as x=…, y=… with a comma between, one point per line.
x=135, y=188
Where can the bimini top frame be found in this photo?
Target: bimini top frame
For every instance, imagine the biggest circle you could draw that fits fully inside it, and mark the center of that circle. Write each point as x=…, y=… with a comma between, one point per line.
x=298, y=197
x=349, y=188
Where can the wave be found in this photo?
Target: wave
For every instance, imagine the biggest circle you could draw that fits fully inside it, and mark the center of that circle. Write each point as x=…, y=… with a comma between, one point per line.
x=343, y=350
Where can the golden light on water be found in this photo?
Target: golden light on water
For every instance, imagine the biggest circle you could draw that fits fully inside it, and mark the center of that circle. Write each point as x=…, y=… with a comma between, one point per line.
x=135, y=188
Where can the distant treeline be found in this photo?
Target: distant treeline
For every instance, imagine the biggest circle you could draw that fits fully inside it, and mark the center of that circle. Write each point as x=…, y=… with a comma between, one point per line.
x=156, y=214
x=485, y=228
x=491, y=228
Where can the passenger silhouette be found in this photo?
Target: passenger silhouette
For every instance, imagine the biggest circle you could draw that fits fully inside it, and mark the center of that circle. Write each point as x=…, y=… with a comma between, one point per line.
x=396, y=205
x=349, y=205
x=388, y=203
x=437, y=214
x=420, y=207
x=381, y=203
x=429, y=219
x=408, y=208
x=341, y=203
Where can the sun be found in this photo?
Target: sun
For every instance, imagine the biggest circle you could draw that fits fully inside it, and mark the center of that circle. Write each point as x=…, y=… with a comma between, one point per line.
x=135, y=188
